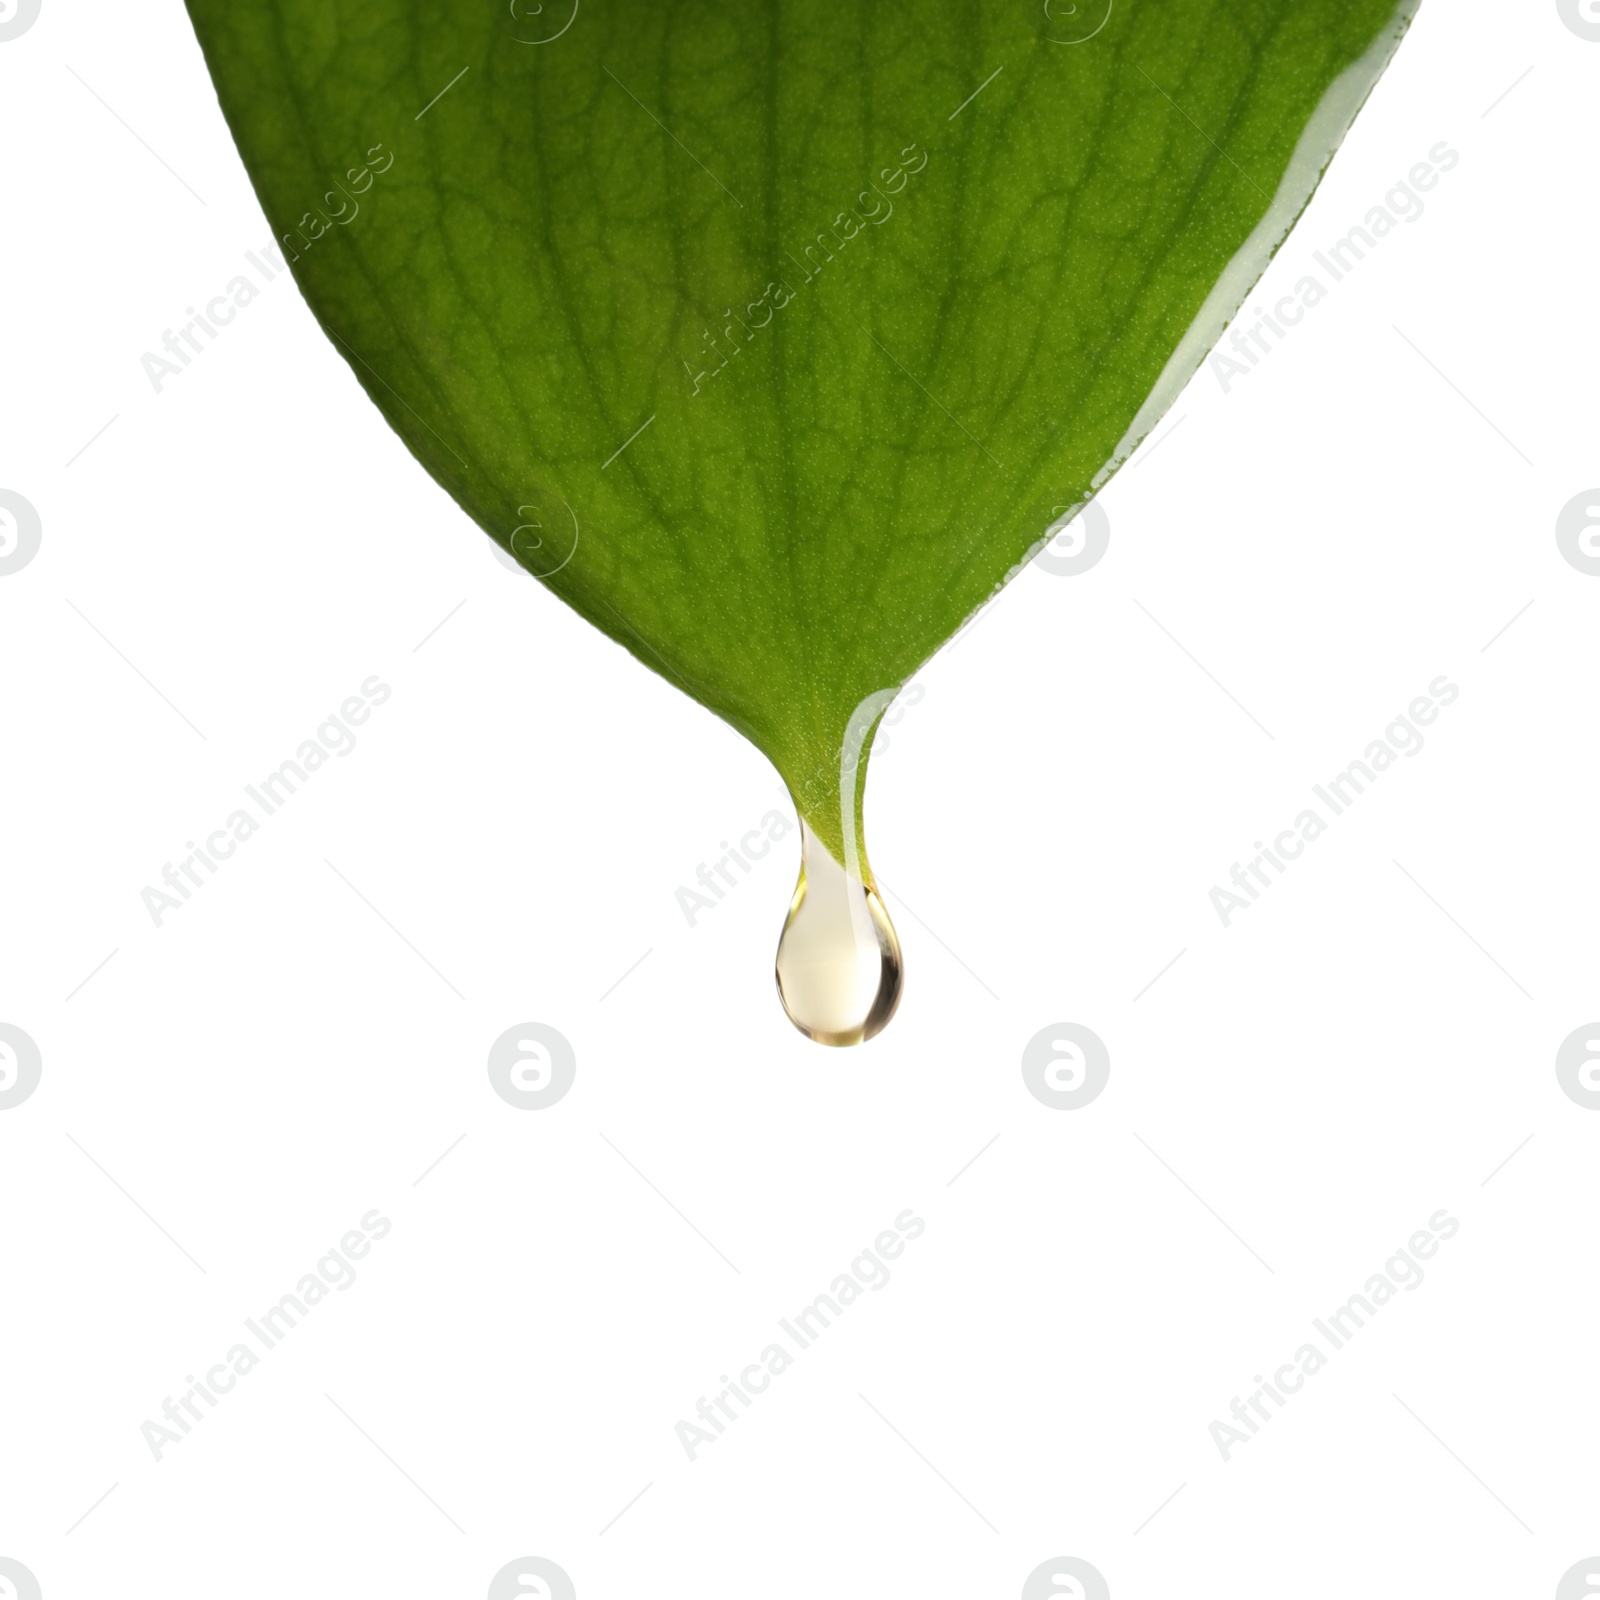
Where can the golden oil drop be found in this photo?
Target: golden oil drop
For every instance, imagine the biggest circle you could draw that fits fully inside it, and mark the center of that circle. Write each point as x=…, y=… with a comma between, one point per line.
x=839, y=968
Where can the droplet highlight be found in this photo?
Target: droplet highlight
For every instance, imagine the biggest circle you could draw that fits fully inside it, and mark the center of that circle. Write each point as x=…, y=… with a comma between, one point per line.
x=839, y=967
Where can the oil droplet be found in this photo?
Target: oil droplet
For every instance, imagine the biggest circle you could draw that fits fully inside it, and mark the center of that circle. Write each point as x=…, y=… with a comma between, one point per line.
x=839, y=968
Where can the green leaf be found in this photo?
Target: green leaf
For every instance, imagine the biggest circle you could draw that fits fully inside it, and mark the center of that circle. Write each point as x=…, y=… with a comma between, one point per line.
x=888, y=288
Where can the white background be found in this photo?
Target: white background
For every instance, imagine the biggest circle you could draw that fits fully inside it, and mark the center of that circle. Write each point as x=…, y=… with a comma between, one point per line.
x=1289, y=1101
